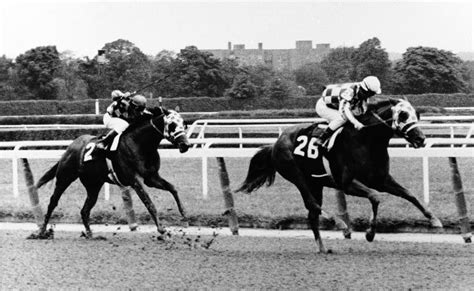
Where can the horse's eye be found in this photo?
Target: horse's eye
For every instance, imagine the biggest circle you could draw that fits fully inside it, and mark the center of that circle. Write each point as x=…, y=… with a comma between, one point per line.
x=172, y=127
x=403, y=116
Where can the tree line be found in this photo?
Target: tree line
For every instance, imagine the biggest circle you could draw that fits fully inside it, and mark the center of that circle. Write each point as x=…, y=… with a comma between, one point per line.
x=44, y=73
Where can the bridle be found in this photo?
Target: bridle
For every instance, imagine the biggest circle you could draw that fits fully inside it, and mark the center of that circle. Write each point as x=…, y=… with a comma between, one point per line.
x=155, y=127
x=395, y=126
x=164, y=132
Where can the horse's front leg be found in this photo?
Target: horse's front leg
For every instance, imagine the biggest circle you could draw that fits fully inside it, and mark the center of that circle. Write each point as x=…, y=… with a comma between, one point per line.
x=343, y=214
x=393, y=187
x=139, y=188
x=128, y=207
x=158, y=182
x=356, y=188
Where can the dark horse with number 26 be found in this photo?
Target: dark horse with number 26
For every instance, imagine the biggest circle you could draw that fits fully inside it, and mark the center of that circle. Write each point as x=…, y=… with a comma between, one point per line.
x=135, y=162
x=356, y=162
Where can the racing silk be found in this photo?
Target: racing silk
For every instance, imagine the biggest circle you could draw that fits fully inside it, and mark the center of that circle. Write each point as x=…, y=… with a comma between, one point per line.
x=335, y=95
x=119, y=109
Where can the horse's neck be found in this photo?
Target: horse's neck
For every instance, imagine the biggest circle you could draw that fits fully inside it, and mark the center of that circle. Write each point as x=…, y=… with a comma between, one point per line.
x=146, y=136
x=379, y=134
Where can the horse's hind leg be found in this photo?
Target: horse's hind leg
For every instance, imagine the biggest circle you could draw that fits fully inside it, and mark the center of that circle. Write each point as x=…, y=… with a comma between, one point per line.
x=289, y=170
x=392, y=187
x=138, y=187
x=343, y=214
x=93, y=189
x=158, y=182
x=62, y=183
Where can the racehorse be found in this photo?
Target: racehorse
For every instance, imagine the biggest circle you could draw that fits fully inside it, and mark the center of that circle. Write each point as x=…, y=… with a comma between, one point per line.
x=135, y=163
x=356, y=162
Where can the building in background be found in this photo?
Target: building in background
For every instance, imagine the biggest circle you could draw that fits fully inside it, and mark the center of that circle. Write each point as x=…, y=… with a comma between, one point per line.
x=278, y=59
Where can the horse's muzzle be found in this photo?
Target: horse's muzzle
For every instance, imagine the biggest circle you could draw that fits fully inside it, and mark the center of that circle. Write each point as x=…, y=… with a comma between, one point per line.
x=182, y=143
x=416, y=137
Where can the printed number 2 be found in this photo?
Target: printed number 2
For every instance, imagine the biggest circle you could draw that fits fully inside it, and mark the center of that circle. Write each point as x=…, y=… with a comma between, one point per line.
x=312, y=151
x=89, y=149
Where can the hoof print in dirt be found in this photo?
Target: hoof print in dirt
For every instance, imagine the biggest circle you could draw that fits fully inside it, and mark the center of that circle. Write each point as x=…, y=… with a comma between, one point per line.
x=89, y=236
x=49, y=234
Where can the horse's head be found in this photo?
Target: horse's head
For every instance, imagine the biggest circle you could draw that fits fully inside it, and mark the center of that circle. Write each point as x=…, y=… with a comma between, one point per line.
x=405, y=123
x=174, y=130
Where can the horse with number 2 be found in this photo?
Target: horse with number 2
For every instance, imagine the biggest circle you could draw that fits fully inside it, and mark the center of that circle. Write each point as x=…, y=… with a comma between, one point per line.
x=134, y=162
x=356, y=162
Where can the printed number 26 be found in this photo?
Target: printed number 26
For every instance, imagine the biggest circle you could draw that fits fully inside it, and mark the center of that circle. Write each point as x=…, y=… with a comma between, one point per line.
x=312, y=151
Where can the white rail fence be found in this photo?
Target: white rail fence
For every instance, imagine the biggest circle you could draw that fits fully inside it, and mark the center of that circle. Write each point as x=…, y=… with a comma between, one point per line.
x=460, y=130
x=212, y=147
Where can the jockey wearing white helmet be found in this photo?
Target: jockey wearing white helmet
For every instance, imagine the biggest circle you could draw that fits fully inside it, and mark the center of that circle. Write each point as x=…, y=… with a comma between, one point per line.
x=123, y=111
x=342, y=102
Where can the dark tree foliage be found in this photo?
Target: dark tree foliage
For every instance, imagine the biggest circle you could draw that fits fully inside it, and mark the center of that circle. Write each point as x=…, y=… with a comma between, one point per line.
x=468, y=75
x=312, y=77
x=277, y=89
x=127, y=68
x=338, y=65
x=242, y=88
x=429, y=70
x=370, y=59
x=198, y=73
x=36, y=69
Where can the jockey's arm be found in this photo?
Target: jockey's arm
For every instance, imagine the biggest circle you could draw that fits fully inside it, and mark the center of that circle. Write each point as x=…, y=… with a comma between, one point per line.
x=346, y=109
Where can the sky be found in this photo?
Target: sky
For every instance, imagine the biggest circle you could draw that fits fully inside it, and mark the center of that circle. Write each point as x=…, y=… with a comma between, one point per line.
x=83, y=27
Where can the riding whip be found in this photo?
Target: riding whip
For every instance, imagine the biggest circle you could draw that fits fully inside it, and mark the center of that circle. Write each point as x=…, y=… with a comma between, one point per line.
x=149, y=85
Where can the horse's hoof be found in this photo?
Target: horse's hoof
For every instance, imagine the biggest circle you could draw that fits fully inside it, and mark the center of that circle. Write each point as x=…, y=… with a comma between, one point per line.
x=87, y=235
x=435, y=222
x=324, y=252
x=133, y=227
x=369, y=236
x=467, y=240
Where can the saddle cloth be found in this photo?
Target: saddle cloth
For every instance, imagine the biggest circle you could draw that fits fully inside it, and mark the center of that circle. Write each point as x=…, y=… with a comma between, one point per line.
x=310, y=156
x=90, y=154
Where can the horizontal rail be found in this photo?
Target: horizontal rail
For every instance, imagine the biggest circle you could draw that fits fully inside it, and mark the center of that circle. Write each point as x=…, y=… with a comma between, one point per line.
x=203, y=149
x=207, y=148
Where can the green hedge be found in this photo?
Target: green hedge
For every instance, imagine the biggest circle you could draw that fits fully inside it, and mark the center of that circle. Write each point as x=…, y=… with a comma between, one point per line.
x=66, y=134
x=207, y=104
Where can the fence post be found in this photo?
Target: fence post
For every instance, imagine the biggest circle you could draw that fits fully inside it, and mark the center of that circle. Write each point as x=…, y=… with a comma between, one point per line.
x=228, y=198
x=460, y=200
x=128, y=207
x=97, y=111
x=32, y=192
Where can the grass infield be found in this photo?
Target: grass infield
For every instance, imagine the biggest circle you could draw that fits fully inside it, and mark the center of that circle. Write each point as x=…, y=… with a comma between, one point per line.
x=279, y=206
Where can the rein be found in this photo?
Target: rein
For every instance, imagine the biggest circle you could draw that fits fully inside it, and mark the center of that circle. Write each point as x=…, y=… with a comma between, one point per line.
x=377, y=116
x=155, y=127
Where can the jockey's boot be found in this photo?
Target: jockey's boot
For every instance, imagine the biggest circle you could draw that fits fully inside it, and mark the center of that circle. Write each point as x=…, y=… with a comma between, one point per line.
x=106, y=140
x=324, y=136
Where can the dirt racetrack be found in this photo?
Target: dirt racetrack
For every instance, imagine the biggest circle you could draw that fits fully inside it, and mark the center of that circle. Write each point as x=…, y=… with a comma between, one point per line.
x=137, y=260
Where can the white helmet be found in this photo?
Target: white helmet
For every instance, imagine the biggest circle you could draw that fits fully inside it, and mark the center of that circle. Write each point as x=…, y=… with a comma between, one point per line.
x=116, y=94
x=371, y=83
x=139, y=101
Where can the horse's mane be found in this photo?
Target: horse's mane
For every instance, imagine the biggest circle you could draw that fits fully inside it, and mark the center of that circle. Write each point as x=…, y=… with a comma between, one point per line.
x=155, y=111
x=381, y=103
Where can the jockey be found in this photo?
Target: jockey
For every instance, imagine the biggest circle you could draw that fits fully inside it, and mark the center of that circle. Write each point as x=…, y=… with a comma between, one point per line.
x=123, y=111
x=343, y=102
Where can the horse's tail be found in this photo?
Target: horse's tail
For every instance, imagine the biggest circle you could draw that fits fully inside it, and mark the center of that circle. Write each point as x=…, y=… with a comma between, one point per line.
x=261, y=170
x=48, y=176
